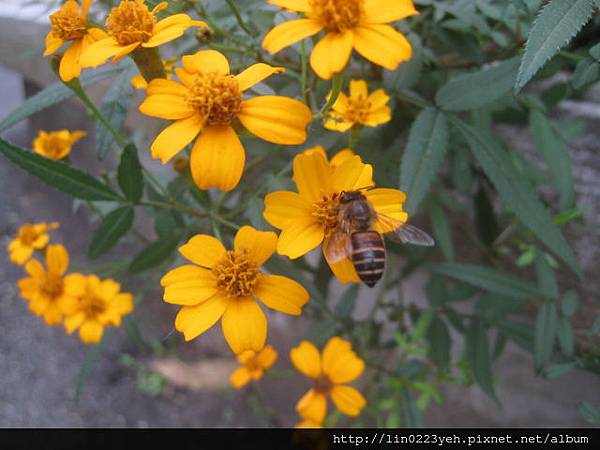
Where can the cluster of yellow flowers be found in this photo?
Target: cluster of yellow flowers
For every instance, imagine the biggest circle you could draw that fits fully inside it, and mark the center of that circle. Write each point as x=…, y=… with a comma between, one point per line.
x=207, y=104
x=74, y=300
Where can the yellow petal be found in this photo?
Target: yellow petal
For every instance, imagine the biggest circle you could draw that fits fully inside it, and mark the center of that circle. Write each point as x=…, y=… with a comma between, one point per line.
x=52, y=315
x=255, y=74
x=312, y=175
x=192, y=321
x=166, y=106
x=283, y=207
x=75, y=284
x=124, y=51
x=340, y=363
x=57, y=259
x=352, y=174
x=138, y=82
x=91, y=332
x=167, y=87
x=289, y=33
x=206, y=61
x=348, y=400
x=308, y=423
x=244, y=325
x=168, y=30
x=312, y=406
x=317, y=149
x=188, y=285
x=299, y=238
x=85, y=7
x=276, y=119
x=175, y=137
x=187, y=78
x=344, y=271
x=98, y=52
x=281, y=294
x=384, y=11
x=53, y=43
x=378, y=99
x=336, y=122
x=21, y=254
x=240, y=377
x=382, y=45
x=73, y=322
x=260, y=245
x=70, y=66
x=217, y=159
x=266, y=357
x=340, y=157
x=378, y=117
x=358, y=89
x=306, y=359
x=291, y=5
x=67, y=304
x=35, y=269
x=331, y=54
x=204, y=250
x=387, y=202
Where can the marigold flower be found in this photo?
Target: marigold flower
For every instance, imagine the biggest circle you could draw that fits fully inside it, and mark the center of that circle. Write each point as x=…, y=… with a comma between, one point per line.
x=336, y=160
x=47, y=289
x=225, y=284
x=56, y=144
x=308, y=217
x=70, y=24
x=131, y=25
x=348, y=24
x=253, y=367
x=139, y=82
x=359, y=108
x=206, y=103
x=331, y=370
x=99, y=304
x=30, y=237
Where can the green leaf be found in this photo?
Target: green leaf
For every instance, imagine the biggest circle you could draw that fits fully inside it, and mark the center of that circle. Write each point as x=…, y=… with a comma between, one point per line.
x=556, y=24
x=554, y=151
x=493, y=307
x=478, y=89
x=546, y=277
x=129, y=174
x=520, y=4
x=346, y=304
x=424, y=154
x=566, y=337
x=569, y=303
x=545, y=334
x=112, y=227
x=559, y=370
x=489, y=279
x=440, y=342
x=114, y=107
x=154, y=254
x=590, y=413
x=485, y=217
x=411, y=416
x=520, y=333
x=441, y=231
x=59, y=175
x=321, y=331
x=421, y=326
x=53, y=94
x=515, y=191
x=478, y=355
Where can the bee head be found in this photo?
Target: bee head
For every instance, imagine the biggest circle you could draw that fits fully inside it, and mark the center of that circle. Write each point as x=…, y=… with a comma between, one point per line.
x=349, y=196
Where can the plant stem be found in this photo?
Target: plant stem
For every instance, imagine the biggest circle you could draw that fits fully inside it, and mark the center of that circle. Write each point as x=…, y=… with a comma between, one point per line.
x=149, y=63
x=238, y=17
x=304, y=73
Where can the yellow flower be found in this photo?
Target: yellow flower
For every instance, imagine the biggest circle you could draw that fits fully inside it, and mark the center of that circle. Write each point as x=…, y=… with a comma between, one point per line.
x=99, y=304
x=308, y=217
x=253, y=366
x=139, y=82
x=56, y=144
x=30, y=237
x=131, y=25
x=225, y=284
x=359, y=108
x=206, y=103
x=308, y=423
x=47, y=289
x=348, y=24
x=70, y=24
x=336, y=160
x=330, y=371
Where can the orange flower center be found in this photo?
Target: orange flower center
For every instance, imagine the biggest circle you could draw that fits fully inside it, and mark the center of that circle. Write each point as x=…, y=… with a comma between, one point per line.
x=337, y=15
x=67, y=24
x=326, y=212
x=216, y=96
x=130, y=22
x=54, y=145
x=92, y=305
x=323, y=384
x=236, y=274
x=27, y=235
x=358, y=109
x=53, y=286
x=253, y=365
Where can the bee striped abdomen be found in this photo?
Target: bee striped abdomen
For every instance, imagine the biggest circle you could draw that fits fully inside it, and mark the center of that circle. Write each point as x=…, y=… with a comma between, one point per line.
x=368, y=256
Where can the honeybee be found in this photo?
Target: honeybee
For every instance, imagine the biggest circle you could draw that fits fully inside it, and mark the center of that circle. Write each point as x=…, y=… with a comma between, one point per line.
x=354, y=237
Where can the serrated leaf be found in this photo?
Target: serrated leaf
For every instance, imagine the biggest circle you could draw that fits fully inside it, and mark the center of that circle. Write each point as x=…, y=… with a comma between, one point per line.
x=112, y=228
x=440, y=342
x=59, y=175
x=545, y=334
x=478, y=355
x=556, y=24
x=489, y=279
x=554, y=151
x=423, y=156
x=129, y=174
x=154, y=254
x=478, y=89
x=53, y=94
x=441, y=231
x=114, y=107
x=516, y=192
x=566, y=337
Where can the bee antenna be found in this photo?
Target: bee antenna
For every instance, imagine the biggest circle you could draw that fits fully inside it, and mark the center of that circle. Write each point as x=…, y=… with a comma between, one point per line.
x=366, y=188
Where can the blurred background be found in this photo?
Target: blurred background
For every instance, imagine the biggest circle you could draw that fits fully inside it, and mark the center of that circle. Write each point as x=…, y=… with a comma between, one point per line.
x=50, y=379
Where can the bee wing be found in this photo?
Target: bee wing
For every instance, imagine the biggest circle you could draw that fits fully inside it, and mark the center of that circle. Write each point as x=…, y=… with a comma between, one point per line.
x=409, y=234
x=337, y=247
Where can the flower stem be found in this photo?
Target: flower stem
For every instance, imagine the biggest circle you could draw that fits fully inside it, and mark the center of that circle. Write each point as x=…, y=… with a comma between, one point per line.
x=149, y=63
x=304, y=74
x=238, y=17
